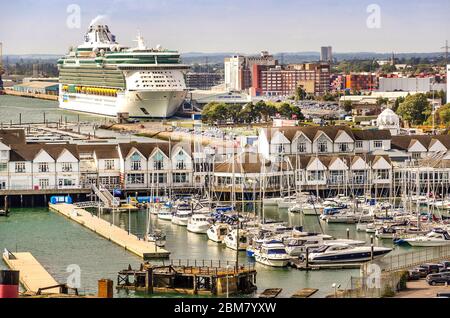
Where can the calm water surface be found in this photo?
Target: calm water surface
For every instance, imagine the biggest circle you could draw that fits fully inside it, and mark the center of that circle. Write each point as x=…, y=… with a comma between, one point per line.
x=58, y=242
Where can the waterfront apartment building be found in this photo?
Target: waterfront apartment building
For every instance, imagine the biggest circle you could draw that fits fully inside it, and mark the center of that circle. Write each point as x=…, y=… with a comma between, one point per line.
x=284, y=80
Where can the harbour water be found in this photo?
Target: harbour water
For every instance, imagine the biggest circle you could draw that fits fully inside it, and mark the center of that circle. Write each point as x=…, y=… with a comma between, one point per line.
x=32, y=111
x=57, y=243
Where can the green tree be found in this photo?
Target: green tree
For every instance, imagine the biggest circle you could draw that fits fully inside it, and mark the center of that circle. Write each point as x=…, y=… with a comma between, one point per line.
x=300, y=93
x=285, y=110
x=348, y=106
x=443, y=115
x=233, y=112
x=415, y=109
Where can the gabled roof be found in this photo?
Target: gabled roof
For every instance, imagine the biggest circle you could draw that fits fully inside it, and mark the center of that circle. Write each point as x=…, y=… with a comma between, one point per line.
x=245, y=163
x=372, y=134
x=310, y=131
x=103, y=151
x=27, y=152
x=146, y=149
x=12, y=136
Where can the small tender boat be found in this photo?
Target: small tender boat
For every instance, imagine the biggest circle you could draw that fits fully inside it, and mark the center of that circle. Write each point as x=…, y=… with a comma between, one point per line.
x=386, y=233
x=436, y=237
x=272, y=253
x=307, y=208
x=4, y=213
x=218, y=232
x=157, y=237
x=198, y=223
x=231, y=240
x=345, y=253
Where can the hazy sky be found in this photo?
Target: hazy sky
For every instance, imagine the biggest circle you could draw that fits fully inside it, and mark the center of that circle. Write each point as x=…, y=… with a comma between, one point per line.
x=246, y=26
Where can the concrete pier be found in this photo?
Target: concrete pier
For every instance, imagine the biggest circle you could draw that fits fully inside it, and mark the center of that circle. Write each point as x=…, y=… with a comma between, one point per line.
x=143, y=249
x=32, y=274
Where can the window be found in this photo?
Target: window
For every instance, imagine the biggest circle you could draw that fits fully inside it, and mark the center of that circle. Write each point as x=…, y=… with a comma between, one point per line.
x=416, y=155
x=109, y=164
x=179, y=177
x=66, y=167
x=3, y=166
x=378, y=144
x=280, y=148
x=158, y=178
x=136, y=165
x=43, y=167
x=43, y=183
x=158, y=162
x=359, y=144
x=301, y=147
x=20, y=167
x=322, y=146
x=343, y=147
x=382, y=174
x=135, y=178
x=316, y=176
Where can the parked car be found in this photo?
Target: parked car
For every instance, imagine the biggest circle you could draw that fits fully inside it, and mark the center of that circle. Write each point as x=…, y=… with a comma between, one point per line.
x=431, y=268
x=445, y=265
x=414, y=274
x=443, y=295
x=439, y=278
x=422, y=271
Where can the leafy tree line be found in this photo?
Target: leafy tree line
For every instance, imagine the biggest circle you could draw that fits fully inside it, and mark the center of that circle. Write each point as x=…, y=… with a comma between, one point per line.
x=250, y=113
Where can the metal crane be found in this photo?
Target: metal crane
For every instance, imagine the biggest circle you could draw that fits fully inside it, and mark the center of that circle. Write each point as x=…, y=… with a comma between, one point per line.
x=1, y=67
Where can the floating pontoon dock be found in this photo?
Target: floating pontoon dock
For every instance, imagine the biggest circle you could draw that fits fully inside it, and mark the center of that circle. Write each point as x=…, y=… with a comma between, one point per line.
x=130, y=242
x=33, y=275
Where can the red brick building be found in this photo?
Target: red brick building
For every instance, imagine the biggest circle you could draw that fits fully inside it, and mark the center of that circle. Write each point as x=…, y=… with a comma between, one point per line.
x=283, y=81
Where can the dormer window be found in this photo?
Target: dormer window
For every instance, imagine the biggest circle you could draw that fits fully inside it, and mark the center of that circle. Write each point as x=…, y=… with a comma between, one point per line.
x=322, y=147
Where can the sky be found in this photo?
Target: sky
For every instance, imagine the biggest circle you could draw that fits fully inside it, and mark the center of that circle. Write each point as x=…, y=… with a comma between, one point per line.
x=241, y=26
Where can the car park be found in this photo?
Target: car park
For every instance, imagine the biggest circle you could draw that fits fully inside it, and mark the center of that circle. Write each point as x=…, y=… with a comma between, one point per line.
x=439, y=278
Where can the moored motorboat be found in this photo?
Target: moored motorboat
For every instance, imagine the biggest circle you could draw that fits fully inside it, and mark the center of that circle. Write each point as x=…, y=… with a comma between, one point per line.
x=437, y=237
x=272, y=253
x=198, y=223
x=345, y=253
x=231, y=240
x=217, y=232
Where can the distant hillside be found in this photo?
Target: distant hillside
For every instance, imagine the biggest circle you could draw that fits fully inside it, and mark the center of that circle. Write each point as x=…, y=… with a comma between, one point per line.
x=300, y=57
x=218, y=58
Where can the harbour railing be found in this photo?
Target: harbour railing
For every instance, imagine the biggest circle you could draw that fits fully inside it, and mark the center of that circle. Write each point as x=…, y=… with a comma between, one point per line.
x=217, y=267
x=383, y=277
x=416, y=257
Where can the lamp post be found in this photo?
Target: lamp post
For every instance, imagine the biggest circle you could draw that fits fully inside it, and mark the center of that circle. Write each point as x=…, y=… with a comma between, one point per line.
x=228, y=268
x=335, y=287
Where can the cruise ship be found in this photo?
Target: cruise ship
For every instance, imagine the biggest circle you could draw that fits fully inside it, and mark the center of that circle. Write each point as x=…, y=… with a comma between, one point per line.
x=102, y=77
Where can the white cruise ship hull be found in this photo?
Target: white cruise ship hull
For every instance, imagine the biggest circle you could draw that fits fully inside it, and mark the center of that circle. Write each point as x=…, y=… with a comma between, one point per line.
x=138, y=104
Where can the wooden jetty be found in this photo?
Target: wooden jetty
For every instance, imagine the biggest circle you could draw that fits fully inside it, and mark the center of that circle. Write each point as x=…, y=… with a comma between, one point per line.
x=33, y=275
x=302, y=265
x=190, y=277
x=271, y=293
x=304, y=293
x=132, y=243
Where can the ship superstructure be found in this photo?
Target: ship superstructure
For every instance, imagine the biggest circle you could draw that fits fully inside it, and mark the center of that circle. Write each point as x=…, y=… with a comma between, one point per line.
x=102, y=77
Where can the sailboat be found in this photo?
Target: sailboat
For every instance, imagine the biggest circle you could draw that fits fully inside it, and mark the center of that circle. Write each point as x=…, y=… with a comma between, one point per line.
x=155, y=236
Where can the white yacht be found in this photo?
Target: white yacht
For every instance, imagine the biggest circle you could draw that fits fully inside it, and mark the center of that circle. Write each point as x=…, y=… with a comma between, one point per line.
x=345, y=253
x=307, y=208
x=231, y=240
x=165, y=213
x=218, y=232
x=272, y=254
x=436, y=237
x=183, y=214
x=198, y=223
